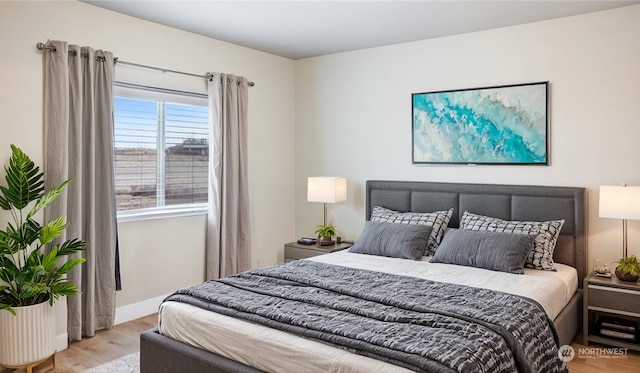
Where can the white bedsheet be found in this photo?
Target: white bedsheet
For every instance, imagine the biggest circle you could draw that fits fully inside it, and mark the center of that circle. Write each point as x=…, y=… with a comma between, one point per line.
x=551, y=289
x=275, y=351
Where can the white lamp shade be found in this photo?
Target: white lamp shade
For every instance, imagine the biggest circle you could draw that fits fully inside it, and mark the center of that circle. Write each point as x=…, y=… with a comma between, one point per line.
x=327, y=189
x=620, y=202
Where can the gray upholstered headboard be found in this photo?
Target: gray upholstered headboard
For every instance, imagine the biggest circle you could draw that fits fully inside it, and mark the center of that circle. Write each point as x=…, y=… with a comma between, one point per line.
x=509, y=202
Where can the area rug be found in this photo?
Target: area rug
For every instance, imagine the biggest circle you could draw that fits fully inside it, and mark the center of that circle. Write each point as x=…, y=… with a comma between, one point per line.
x=126, y=364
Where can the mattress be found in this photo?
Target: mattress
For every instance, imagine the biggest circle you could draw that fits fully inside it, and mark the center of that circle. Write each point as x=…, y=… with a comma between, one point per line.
x=276, y=351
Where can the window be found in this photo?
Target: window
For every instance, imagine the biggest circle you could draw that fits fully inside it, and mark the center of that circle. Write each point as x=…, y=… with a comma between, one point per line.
x=161, y=143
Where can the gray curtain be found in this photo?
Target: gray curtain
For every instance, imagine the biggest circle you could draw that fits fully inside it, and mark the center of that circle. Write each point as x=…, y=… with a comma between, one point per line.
x=78, y=127
x=228, y=237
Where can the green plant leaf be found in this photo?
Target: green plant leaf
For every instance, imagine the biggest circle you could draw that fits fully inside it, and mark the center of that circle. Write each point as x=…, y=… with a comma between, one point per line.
x=11, y=270
x=24, y=180
x=4, y=203
x=47, y=198
x=31, y=231
x=70, y=265
x=52, y=230
x=50, y=260
x=64, y=288
x=71, y=246
x=32, y=289
x=5, y=276
x=8, y=308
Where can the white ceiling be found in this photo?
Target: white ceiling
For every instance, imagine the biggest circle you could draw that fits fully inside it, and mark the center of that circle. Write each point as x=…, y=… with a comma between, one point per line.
x=301, y=29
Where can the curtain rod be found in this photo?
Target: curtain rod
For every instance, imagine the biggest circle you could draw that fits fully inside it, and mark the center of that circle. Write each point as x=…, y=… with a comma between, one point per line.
x=208, y=76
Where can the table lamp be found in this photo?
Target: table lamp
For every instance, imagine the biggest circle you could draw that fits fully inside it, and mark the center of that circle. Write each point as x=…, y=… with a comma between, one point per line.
x=326, y=190
x=620, y=202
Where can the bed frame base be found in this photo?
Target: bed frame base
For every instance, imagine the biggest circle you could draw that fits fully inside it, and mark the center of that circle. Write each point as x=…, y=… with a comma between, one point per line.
x=159, y=354
x=569, y=321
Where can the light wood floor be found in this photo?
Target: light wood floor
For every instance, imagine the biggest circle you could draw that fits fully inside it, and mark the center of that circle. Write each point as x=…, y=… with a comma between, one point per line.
x=601, y=363
x=124, y=339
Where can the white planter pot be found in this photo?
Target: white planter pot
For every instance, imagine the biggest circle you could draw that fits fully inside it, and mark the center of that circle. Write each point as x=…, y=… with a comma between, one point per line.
x=29, y=336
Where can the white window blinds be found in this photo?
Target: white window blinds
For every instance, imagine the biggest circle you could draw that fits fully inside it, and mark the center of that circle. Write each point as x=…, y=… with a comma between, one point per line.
x=161, y=140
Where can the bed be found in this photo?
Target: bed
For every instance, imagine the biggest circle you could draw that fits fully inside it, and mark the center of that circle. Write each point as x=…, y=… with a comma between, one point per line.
x=162, y=353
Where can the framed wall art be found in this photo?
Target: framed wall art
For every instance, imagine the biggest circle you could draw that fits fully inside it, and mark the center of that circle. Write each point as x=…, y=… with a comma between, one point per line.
x=503, y=125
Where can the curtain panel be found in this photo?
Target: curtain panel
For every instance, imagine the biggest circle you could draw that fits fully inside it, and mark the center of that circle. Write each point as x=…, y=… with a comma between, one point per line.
x=228, y=235
x=78, y=128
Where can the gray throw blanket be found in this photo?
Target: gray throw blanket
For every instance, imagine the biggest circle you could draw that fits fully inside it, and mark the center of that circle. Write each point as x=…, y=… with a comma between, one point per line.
x=421, y=325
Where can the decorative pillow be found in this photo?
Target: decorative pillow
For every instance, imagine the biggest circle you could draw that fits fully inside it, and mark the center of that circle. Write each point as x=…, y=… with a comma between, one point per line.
x=541, y=256
x=437, y=220
x=497, y=251
x=394, y=240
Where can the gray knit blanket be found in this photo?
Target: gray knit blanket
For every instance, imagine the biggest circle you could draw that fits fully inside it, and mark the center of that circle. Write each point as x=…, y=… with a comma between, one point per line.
x=421, y=325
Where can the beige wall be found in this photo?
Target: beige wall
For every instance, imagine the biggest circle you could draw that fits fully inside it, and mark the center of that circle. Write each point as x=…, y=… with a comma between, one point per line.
x=157, y=256
x=353, y=113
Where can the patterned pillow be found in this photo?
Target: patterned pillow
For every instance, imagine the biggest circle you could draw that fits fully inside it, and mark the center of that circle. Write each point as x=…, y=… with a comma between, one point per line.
x=541, y=256
x=437, y=220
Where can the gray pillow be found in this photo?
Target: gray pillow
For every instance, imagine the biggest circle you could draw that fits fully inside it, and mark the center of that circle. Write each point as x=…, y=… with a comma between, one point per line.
x=497, y=251
x=407, y=241
x=438, y=221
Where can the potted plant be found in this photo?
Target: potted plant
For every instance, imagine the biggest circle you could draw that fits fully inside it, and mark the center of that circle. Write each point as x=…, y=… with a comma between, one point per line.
x=628, y=269
x=325, y=232
x=33, y=267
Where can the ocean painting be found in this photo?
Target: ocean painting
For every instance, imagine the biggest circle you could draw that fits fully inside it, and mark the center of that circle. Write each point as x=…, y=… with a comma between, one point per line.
x=492, y=125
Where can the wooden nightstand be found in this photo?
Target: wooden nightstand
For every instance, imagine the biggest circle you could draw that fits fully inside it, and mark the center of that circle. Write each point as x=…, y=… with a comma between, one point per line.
x=616, y=304
x=294, y=250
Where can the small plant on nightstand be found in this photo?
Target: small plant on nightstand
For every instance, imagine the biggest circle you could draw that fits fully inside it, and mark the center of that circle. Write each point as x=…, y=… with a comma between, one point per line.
x=628, y=269
x=326, y=231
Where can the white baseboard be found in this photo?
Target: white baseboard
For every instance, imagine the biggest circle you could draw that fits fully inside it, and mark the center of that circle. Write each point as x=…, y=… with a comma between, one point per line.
x=62, y=341
x=138, y=310
x=123, y=314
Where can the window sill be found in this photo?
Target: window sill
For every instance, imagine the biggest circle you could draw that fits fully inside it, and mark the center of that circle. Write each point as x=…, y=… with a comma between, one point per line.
x=162, y=213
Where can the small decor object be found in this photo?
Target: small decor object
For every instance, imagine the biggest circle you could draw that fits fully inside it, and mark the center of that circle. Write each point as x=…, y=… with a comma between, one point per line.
x=307, y=241
x=601, y=268
x=628, y=269
x=325, y=233
x=492, y=125
x=32, y=265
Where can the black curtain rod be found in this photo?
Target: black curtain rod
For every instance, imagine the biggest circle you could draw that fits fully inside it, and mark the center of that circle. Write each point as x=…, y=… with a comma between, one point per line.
x=208, y=76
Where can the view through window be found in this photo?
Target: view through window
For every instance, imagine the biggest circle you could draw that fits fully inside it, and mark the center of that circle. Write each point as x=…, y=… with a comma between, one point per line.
x=161, y=143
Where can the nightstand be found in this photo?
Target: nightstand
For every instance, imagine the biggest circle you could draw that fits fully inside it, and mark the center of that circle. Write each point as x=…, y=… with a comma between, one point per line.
x=294, y=250
x=611, y=312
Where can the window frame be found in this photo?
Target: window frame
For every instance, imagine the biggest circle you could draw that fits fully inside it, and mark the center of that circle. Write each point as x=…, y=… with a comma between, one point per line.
x=143, y=92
